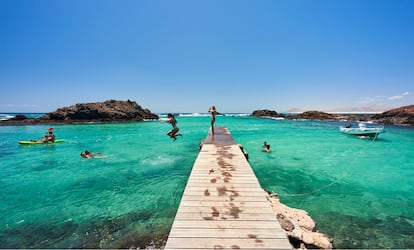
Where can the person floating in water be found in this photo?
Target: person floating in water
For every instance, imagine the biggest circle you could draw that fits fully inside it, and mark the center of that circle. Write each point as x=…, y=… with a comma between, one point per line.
x=88, y=154
x=213, y=112
x=267, y=148
x=173, y=132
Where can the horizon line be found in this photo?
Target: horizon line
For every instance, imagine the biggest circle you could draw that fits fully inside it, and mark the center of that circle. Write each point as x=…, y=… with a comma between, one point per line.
x=281, y=112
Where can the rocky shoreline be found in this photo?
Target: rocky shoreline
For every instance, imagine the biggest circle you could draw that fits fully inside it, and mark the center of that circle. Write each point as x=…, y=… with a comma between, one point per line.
x=399, y=116
x=298, y=225
x=129, y=111
x=98, y=112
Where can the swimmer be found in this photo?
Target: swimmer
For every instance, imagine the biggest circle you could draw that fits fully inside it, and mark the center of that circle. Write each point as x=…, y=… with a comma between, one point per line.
x=88, y=154
x=267, y=149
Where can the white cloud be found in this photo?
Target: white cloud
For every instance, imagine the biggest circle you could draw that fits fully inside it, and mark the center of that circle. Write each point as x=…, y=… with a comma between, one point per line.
x=395, y=97
x=398, y=96
x=384, y=102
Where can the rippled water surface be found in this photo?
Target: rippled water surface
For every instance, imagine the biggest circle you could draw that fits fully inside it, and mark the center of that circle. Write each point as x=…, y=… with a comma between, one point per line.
x=360, y=191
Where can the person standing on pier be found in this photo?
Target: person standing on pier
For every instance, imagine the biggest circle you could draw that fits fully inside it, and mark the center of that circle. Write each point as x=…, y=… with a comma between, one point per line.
x=213, y=112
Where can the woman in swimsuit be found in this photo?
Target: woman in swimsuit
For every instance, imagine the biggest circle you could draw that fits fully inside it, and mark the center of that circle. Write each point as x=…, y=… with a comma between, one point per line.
x=173, y=133
x=213, y=112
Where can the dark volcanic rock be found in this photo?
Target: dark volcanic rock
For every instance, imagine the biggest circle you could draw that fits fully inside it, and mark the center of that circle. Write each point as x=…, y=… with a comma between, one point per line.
x=111, y=110
x=265, y=112
x=108, y=111
x=399, y=116
x=19, y=117
x=316, y=115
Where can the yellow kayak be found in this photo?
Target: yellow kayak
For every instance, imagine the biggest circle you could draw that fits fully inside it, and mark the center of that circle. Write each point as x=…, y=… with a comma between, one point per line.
x=39, y=142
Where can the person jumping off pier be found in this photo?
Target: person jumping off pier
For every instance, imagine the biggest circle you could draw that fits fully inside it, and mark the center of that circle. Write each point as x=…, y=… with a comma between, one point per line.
x=173, y=133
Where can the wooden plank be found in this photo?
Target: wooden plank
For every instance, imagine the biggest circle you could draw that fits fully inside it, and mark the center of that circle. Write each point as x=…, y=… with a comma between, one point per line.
x=219, y=243
x=244, y=179
x=229, y=224
x=223, y=174
x=189, y=197
x=223, y=189
x=226, y=210
x=222, y=181
x=213, y=185
x=209, y=170
x=227, y=204
x=205, y=216
x=235, y=232
x=212, y=193
x=214, y=182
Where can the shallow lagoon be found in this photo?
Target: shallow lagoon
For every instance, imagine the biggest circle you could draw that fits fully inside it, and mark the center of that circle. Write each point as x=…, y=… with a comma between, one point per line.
x=359, y=191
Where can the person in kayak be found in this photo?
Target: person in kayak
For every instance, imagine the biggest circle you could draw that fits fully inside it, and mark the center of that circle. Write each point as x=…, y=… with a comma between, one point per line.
x=49, y=137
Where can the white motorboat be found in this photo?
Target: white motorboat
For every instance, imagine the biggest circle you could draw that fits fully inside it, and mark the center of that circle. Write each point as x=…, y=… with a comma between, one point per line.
x=362, y=130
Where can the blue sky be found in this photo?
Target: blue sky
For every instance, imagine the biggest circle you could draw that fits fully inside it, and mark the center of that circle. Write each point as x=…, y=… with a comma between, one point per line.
x=184, y=56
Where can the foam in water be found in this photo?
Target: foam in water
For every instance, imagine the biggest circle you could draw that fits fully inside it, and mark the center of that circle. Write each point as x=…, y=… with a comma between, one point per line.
x=4, y=117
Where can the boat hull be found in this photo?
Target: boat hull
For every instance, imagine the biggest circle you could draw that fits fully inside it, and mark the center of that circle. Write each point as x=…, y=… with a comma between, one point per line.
x=362, y=131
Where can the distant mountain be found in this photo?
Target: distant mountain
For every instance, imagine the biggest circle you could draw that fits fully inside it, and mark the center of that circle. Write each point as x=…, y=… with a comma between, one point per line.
x=375, y=109
x=295, y=110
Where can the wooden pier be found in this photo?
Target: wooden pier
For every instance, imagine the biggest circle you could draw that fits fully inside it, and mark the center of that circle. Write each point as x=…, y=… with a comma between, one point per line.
x=223, y=205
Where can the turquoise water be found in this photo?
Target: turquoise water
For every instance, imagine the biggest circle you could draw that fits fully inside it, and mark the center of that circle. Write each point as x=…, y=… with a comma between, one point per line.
x=360, y=191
